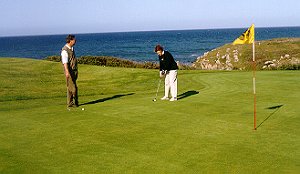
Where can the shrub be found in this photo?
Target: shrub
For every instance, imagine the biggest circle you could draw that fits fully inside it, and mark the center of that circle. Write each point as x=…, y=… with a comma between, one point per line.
x=289, y=67
x=54, y=58
x=108, y=61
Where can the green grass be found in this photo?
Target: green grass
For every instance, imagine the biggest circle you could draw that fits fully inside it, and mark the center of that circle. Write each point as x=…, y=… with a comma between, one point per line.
x=123, y=131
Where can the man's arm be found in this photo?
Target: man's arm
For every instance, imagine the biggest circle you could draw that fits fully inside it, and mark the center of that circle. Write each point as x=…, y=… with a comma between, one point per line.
x=64, y=59
x=67, y=73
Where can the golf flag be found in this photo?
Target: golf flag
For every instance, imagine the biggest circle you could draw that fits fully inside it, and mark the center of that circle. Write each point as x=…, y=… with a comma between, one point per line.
x=247, y=37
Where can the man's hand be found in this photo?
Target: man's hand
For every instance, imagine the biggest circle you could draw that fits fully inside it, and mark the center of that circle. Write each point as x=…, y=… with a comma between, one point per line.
x=66, y=70
x=67, y=74
x=162, y=73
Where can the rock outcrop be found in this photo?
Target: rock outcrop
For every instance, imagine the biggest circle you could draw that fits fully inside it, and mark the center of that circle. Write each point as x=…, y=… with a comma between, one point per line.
x=270, y=54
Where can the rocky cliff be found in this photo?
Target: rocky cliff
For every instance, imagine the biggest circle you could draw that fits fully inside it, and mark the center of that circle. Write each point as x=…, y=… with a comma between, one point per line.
x=281, y=53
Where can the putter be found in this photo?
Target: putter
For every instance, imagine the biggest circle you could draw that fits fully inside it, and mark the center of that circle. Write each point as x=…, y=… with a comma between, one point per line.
x=157, y=90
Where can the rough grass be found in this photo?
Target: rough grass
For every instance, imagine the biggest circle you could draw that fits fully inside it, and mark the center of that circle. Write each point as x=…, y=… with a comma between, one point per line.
x=209, y=130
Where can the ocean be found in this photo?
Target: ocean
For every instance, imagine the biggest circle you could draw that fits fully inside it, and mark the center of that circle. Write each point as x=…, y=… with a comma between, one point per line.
x=184, y=45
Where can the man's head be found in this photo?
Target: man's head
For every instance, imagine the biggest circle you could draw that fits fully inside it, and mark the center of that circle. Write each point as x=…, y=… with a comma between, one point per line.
x=159, y=50
x=70, y=39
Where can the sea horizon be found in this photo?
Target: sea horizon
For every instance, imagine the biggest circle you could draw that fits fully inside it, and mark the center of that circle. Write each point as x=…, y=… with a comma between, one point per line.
x=185, y=45
x=138, y=31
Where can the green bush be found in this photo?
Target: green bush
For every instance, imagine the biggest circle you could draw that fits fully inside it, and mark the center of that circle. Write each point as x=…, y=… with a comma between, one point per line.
x=54, y=58
x=289, y=67
x=108, y=61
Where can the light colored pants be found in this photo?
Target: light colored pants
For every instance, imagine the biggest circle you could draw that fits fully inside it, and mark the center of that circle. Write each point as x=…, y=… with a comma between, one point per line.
x=171, y=83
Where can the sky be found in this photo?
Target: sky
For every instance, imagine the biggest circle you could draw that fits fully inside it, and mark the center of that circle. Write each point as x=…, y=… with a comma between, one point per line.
x=47, y=17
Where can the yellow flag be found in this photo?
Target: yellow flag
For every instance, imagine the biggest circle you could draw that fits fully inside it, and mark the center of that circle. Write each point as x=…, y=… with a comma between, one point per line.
x=246, y=38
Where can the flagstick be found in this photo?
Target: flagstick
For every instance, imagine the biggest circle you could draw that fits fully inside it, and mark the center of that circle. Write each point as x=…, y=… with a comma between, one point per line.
x=254, y=87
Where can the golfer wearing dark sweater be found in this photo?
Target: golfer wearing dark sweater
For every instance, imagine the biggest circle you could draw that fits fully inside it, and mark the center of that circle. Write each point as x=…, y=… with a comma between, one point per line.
x=168, y=69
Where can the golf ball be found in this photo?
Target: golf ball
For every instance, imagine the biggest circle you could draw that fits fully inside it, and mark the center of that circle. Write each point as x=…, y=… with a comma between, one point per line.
x=82, y=109
x=154, y=99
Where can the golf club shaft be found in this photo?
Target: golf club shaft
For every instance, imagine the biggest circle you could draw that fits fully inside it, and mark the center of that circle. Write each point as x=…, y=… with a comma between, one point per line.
x=157, y=88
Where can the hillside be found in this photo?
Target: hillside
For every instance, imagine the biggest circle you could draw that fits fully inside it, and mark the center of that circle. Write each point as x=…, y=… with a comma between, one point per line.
x=279, y=54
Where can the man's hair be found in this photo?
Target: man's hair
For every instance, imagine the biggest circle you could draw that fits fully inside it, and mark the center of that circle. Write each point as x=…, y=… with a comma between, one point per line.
x=158, y=48
x=69, y=38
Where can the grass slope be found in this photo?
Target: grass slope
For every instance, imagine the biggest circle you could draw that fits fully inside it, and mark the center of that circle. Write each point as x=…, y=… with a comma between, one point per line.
x=122, y=131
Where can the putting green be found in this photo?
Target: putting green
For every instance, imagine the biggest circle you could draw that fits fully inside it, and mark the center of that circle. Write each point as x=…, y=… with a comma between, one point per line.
x=121, y=130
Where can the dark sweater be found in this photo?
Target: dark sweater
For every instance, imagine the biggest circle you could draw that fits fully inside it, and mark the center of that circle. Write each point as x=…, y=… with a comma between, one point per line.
x=167, y=62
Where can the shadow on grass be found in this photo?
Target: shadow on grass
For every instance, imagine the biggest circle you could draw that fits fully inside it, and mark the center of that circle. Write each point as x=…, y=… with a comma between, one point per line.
x=276, y=108
x=187, y=94
x=105, y=99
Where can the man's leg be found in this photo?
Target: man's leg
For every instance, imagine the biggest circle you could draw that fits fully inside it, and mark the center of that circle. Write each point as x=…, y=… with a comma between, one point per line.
x=72, y=92
x=167, y=84
x=69, y=93
x=76, y=95
x=173, y=84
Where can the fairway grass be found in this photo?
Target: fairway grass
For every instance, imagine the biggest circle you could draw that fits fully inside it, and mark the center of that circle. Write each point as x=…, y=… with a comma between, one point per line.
x=121, y=130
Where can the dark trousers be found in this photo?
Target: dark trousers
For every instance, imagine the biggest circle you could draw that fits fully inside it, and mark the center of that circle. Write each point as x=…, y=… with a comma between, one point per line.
x=72, y=90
